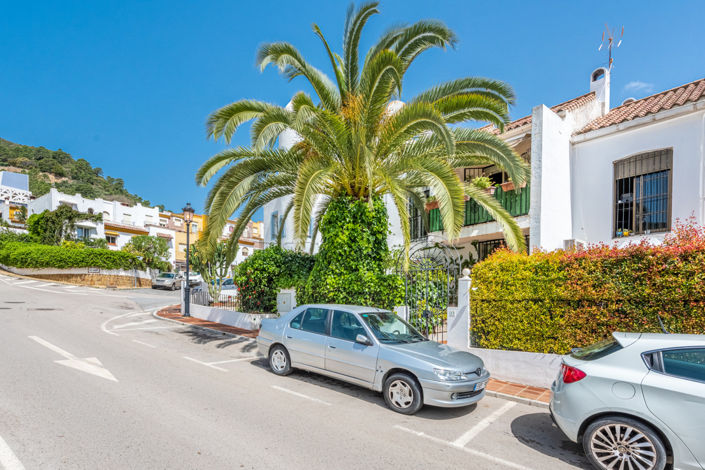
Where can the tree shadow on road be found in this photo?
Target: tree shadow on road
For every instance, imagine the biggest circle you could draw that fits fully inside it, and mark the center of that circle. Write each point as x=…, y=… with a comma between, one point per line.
x=221, y=341
x=536, y=430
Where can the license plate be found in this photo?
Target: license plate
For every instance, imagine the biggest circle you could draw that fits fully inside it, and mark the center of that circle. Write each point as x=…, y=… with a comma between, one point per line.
x=479, y=386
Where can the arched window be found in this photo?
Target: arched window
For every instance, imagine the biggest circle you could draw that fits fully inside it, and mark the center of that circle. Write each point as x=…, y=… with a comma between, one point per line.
x=245, y=252
x=642, y=188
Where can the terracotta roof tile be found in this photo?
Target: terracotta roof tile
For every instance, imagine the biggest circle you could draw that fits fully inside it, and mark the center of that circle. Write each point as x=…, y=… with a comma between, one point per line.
x=688, y=93
x=569, y=105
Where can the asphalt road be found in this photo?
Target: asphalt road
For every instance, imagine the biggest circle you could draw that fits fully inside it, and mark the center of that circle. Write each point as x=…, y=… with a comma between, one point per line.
x=90, y=379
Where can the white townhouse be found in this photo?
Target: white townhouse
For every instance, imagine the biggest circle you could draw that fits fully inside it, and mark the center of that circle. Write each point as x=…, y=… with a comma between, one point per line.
x=598, y=174
x=250, y=241
x=14, y=195
x=120, y=222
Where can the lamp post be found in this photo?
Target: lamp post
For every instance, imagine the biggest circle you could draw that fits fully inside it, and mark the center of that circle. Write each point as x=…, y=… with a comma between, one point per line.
x=188, y=218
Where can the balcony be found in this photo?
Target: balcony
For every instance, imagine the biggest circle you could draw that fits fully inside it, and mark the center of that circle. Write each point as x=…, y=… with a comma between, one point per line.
x=516, y=203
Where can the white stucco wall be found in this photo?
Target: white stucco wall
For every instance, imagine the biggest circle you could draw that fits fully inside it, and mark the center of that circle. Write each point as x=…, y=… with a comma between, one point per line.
x=593, y=173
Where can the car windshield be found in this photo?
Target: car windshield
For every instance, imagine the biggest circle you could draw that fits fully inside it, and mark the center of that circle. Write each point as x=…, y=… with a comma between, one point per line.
x=167, y=275
x=389, y=328
x=228, y=282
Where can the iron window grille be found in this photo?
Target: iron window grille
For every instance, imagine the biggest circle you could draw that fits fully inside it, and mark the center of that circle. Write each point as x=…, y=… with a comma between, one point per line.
x=643, y=193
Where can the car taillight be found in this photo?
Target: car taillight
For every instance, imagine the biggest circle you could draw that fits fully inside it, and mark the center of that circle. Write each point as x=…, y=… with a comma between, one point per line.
x=571, y=374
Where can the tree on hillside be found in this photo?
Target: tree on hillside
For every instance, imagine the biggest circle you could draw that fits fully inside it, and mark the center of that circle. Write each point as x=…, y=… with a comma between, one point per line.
x=358, y=144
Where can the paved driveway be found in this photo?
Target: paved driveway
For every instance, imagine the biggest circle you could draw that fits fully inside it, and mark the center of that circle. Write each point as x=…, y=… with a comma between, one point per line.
x=90, y=379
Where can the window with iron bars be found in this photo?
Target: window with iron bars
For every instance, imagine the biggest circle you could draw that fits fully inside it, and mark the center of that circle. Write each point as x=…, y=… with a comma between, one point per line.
x=486, y=247
x=417, y=230
x=642, y=187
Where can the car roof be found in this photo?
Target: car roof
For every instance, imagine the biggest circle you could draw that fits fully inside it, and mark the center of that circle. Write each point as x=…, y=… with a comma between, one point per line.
x=659, y=340
x=347, y=308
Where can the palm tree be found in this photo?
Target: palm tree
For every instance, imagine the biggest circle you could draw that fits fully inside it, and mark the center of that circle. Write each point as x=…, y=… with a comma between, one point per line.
x=357, y=141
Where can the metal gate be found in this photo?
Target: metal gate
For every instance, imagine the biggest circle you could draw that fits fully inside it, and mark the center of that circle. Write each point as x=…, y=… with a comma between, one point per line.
x=431, y=287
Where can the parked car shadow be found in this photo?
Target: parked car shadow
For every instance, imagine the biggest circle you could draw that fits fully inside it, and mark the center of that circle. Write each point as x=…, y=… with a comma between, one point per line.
x=200, y=336
x=361, y=393
x=536, y=430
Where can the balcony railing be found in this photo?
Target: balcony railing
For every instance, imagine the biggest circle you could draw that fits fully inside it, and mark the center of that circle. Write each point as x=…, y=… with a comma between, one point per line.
x=516, y=203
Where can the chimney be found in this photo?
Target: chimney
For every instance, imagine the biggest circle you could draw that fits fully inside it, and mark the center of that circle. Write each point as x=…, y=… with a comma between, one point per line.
x=600, y=84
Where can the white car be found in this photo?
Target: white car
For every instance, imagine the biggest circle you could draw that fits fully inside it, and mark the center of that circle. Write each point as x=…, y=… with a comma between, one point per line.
x=635, y=401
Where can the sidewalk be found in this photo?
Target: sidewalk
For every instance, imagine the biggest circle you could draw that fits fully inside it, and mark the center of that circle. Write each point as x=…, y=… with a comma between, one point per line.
x=534, y=396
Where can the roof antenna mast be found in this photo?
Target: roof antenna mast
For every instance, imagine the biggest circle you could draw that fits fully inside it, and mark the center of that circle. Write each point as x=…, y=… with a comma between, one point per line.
x=611, y=35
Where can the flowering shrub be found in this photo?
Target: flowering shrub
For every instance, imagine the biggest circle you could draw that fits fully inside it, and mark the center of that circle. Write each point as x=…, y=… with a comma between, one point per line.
x=552, y=302
x=261, y=275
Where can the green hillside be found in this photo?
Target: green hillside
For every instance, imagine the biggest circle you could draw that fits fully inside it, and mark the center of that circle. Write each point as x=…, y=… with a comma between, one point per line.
x=55, y=167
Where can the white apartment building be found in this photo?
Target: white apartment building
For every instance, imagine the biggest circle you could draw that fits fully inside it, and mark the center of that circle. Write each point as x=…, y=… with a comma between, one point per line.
x=598, y=174
x=14, y=195
x=120, y=221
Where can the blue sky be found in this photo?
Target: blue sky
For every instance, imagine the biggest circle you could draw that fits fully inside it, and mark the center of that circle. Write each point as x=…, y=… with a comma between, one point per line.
x=128, y=85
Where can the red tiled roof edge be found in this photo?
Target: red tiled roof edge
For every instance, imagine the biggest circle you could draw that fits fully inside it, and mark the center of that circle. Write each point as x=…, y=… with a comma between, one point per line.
x=668, y=99
x=569, y=105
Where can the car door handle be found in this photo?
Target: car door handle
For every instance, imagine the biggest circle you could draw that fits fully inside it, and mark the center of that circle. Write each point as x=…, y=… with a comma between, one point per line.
x=289, y=337
x=331, y=346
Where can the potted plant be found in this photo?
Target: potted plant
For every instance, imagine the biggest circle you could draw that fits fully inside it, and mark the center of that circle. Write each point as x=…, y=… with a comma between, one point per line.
x=509, y=185
x=431, y=203
x=484, y=182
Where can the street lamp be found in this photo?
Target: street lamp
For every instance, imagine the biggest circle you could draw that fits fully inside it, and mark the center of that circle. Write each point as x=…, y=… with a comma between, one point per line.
x=188, y=218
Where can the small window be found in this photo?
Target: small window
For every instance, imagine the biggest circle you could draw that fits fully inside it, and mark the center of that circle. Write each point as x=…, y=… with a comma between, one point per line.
x=275, y=225
x=111, y=239
x=90, y=210
x=345, y=326
x=642, y=187
x=296, y=322
x=315, y=320
x=194, y=227
x=686, y=363
x=245, y=252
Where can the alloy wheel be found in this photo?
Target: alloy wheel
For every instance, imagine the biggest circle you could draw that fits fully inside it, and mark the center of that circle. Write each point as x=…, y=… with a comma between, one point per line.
x=278, y=360
x=619, y=446
x=400, y=394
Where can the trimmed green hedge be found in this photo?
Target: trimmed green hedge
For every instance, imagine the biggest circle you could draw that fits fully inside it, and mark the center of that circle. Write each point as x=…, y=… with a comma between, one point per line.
x=33, y=255
x=552, y=302
x=263, y=273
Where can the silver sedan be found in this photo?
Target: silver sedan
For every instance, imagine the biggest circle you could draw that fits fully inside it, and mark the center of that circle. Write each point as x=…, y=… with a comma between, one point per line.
x=635, y=401
x=375, y=349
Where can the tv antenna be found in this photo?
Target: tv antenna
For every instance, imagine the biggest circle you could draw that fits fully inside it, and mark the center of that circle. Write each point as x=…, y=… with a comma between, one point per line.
x=611, y=35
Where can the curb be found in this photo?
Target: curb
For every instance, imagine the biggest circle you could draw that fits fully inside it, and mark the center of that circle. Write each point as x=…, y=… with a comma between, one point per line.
x=523, y=401
x=54, y=281
x=156, y=315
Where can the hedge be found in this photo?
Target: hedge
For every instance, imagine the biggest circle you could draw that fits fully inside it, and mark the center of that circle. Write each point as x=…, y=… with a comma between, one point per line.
x=263, y=273
x=34, y=255
x=552, y=302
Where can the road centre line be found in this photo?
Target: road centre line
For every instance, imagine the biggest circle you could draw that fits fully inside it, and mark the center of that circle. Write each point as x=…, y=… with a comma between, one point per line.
x=300, y=395
x=482, y=425
x=144, y=344
x=474, y=452
x=205, y=364
x=8, y=459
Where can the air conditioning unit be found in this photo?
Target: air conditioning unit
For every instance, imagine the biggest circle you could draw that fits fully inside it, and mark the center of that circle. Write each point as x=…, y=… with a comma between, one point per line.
x=574, y=245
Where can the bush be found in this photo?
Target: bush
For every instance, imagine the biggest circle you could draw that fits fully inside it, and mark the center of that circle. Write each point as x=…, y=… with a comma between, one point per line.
x=32, y=255
x=552, y=302
x=351, y=261
x=260, y=277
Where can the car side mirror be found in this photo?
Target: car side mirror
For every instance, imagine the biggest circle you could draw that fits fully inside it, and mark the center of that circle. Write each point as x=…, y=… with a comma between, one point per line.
x=362, y=339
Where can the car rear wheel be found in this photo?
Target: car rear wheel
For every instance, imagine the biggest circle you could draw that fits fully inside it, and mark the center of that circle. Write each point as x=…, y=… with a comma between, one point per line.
x=402, y=394
x=617, y=442
x=173, y=286
x=279, y=360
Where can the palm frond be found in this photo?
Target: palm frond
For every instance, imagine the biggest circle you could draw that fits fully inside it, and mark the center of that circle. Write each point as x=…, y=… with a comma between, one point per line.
x=354, y=24
x=225, y=121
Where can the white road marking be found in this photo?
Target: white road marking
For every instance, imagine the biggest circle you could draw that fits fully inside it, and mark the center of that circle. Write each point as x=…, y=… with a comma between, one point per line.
x=25, y=282
x=233, y=360
x=143, y=344
x=8, y=459
x=474, y=452
x=150, y=328
x=104, y=325
x=300, y=395
x=205, y=364
x=90, y=365
x=482, y=425
x=134, y=323
x=69, y=287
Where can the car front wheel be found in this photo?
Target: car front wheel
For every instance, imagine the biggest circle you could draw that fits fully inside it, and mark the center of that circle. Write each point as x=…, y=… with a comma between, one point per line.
x=402, y=394
x=618, y=442
x=279, y=360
